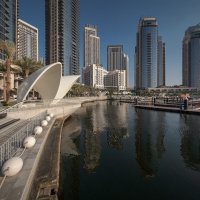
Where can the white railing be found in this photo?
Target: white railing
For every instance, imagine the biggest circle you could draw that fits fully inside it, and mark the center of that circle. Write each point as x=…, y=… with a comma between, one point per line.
x=36, y=104
x=9, y=146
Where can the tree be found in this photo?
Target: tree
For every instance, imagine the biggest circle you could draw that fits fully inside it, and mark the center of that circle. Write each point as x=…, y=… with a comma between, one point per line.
x=8, y=49
x=28, y=65
x=3, y=70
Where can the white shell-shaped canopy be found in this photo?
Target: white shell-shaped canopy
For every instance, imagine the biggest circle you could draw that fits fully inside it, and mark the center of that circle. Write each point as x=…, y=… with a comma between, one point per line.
x=49, y=82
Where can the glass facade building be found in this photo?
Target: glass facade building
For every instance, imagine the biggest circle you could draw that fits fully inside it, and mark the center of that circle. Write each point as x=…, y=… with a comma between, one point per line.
x=147, y=53
x=161, y=62
x=62, y=24
x=191, y=57
x=126, y=67
x=8, y=21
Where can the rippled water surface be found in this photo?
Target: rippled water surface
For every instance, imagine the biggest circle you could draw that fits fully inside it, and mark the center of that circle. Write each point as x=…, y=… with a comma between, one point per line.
x=113, y=151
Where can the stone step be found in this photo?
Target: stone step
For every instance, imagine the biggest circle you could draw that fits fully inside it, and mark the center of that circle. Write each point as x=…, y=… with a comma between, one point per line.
x=6, y=122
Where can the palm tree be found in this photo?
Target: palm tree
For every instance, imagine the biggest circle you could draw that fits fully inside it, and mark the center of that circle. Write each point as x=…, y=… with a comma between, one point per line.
x=28, y=65
x=8, y=49
x=3, y=71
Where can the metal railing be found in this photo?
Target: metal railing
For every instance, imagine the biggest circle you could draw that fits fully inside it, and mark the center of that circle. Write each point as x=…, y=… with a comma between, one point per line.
x=37, y=104
x=9, y=147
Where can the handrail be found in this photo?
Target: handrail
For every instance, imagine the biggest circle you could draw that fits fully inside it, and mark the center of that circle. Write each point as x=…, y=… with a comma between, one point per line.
x=5, y=110
x=9, y=145
x=20, y=104
x=43, y=103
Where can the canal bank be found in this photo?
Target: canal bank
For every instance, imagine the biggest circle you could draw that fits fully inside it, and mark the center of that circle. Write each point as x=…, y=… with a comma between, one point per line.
x=45, y=151
x=168, y=109
x=176, y=108
x=46, y=180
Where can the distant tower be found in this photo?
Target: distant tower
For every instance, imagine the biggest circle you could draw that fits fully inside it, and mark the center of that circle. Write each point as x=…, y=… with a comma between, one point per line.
x=62, y=34
x=8, y=21
x=191, y=57
x=27, y=40
x=115, y=57
x=147, y=53
x=125, y=66
x=161, y=62
x=91, y=46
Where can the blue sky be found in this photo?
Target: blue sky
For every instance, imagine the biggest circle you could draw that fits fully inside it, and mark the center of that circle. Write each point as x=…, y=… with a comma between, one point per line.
x=117, y=22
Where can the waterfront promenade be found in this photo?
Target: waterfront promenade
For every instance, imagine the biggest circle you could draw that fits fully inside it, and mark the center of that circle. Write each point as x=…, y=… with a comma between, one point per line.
x=45, y=150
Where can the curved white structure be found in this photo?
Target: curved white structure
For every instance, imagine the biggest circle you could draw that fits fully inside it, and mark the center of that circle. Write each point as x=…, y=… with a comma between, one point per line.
x=48, y=82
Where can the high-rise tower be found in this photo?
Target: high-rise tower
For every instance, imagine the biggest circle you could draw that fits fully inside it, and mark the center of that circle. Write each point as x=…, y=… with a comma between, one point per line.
x=27, y=40
x=8, y=21
x=146, y=53
x=115, y=57
x=117, y=61
x=126, y=67
x=191, y=58
x=161, y=62
x=91, y=46
x=62, y=23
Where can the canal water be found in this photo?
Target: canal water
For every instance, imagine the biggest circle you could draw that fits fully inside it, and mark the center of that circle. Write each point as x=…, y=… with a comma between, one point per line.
x=112, y=151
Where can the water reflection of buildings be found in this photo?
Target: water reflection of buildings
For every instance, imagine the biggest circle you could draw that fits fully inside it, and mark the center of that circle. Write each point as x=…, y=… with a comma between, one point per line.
x=117, y=123
x=115, y=137
x=149, y=139
x=92, y=150
x=111, y=119
x=93, y=126
x=71, y=129
x=190, y=143
x=69, y=171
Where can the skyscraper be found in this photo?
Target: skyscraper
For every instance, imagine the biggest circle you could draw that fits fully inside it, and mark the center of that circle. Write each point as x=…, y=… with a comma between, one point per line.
x=27, y=40
x=125, y=66
x=62, y=23
x=146, y=54
x=91, y=46
x=114, y=57
x=191, y=58
x=161, y=62
x=8, y=21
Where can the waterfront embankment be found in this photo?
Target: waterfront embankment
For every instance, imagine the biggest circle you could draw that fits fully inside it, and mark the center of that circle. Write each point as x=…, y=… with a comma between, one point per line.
x=40, y=172
x=169, y=109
